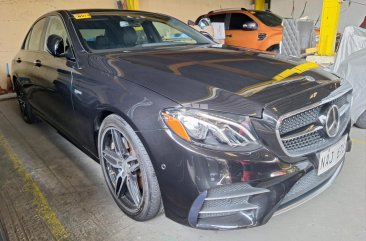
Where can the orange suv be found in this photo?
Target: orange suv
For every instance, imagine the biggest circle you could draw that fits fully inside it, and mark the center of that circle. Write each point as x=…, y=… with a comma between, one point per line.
x=253, y=29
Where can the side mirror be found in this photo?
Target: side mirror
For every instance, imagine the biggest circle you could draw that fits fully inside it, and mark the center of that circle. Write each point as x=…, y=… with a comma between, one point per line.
x=250, y=26
x=55, y=45
x=204, y=22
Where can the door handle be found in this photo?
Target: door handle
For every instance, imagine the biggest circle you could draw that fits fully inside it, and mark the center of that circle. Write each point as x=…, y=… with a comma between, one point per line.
x=19, y=60
x=228, y=35
x=37, y=63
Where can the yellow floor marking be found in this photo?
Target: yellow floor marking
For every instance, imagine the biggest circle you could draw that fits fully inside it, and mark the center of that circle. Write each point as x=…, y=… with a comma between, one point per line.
x=358, y=141
x=39, y=200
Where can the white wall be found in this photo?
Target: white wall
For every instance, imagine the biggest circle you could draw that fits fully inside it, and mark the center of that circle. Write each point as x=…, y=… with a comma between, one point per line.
x=350, y=15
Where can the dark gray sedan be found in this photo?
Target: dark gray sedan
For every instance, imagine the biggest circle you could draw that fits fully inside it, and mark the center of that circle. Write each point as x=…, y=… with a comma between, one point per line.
x=219, y=137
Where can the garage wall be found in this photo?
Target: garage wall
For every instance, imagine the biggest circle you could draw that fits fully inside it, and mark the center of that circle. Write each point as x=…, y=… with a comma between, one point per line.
x=190, y=9
x=350, y=14
x=16, y=17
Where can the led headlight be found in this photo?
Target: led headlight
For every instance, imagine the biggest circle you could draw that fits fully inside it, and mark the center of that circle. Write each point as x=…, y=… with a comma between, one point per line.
x=211, y=129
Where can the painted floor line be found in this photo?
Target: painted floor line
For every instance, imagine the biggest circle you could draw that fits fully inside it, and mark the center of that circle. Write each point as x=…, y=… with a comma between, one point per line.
x=358, y=141
x=39, y=200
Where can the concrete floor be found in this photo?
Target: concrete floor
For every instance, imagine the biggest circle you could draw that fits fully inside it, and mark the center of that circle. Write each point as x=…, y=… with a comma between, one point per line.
x=39, y=166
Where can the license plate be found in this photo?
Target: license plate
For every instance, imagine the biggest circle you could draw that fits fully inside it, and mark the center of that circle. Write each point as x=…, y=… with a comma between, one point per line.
x=330, y=157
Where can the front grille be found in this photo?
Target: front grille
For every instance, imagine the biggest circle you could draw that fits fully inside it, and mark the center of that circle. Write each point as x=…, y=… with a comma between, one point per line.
x=303, y=132
x=301, y=143
x=299, y=120
x=341, y=101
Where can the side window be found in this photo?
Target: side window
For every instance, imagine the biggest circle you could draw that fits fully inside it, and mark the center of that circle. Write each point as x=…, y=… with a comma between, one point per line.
x=56, y=26
x=219, y=18
x=237, y=20
x=36, y=35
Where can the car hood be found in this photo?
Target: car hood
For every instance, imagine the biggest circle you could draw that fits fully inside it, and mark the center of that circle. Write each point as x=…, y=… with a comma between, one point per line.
x=220, y=79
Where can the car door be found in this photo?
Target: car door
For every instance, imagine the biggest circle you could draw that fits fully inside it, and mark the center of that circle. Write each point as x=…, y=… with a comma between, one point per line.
x=24, y=65
x=237, y=36
x=56, y=103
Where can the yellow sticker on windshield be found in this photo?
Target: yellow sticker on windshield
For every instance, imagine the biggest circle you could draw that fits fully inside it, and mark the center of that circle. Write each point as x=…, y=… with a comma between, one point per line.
x=138, y=28
x=82, y=15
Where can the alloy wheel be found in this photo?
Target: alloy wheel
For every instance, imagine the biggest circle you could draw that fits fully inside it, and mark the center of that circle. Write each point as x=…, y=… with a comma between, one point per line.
x=122, y=169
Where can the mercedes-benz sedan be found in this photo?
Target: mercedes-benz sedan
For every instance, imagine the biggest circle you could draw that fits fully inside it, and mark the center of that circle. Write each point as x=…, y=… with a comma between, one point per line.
x=218, y=137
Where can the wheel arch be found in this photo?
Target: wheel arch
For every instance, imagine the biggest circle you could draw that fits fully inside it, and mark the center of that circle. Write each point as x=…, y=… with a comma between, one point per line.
x=272, y=47
x=107, y=111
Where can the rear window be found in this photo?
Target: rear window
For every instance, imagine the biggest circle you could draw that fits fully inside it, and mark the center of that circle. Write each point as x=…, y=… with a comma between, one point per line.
x=268, y=18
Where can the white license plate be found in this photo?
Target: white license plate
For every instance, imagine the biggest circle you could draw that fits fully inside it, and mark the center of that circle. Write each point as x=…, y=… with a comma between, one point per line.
x=330, y=157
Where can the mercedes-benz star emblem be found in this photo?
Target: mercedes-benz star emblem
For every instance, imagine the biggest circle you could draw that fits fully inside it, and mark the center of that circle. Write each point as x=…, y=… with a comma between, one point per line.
x=332, y=121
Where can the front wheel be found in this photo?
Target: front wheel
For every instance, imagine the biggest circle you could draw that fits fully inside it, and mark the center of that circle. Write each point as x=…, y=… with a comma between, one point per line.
x=127, y=169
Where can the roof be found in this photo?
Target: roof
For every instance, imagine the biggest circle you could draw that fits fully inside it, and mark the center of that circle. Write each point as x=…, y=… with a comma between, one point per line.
x=95, y=10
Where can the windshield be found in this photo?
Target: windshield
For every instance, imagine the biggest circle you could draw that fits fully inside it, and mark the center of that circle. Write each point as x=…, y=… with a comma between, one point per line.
x=268, y=18
x=119, y=30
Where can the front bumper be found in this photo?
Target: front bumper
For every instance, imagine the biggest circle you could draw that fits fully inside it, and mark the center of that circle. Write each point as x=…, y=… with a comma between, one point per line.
x=254, y=206
x=209, y=189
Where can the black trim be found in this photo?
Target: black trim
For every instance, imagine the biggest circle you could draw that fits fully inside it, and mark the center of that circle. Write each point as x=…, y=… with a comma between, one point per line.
x=195, y=208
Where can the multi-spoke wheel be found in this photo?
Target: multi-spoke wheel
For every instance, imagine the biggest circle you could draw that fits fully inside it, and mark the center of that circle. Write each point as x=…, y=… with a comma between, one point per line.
x=25, y=108
x=127, y=169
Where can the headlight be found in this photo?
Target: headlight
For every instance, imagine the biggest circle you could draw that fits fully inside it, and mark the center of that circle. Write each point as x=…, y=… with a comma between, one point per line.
x=211, y=129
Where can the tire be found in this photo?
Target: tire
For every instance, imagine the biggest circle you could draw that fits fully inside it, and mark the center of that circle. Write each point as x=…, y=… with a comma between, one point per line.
x=127, y=170
x=361, y=121
x=25, y=107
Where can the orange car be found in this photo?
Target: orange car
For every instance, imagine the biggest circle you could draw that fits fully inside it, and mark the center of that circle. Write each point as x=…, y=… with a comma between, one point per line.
x=253, y=29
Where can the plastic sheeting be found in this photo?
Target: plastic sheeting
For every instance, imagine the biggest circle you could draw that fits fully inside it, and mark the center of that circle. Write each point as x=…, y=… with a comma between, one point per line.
x=353, y=40
x=351, y=66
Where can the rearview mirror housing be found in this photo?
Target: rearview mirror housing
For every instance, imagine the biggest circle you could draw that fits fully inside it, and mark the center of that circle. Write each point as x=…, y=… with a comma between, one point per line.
x=250, y=26
x=55, y=45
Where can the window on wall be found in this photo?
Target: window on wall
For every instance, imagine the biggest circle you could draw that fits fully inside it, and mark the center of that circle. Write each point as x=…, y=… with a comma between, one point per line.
x=36, y=36
x=237, y=20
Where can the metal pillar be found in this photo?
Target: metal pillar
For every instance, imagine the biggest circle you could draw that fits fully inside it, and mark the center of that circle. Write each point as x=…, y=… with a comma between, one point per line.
x=260, y=4
x=329, y=26
x=133, y=4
